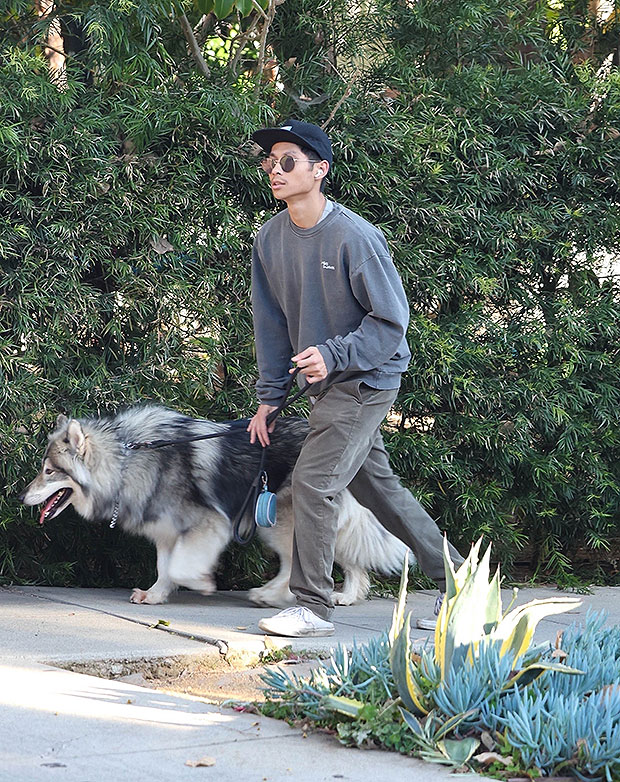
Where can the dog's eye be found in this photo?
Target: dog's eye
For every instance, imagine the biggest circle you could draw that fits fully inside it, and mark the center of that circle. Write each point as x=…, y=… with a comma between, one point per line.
x=49, y=471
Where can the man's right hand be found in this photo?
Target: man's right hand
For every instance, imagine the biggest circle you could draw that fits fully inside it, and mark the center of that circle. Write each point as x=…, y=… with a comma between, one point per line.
x=258, y=425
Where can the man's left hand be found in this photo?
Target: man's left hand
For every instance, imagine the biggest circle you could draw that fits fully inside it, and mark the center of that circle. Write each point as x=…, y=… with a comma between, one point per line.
x=311, y=365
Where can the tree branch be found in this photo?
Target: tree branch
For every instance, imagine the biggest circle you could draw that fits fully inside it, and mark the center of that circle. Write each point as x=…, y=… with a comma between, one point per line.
x=204, y=27
x=69, y=56
x=263, y=44
x=46, y=9
x=193, y=46
x=241, y=41
x=344, y=96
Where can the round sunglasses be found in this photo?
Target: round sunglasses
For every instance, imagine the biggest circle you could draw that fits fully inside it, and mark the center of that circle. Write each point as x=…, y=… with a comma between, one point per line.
x=287, y=163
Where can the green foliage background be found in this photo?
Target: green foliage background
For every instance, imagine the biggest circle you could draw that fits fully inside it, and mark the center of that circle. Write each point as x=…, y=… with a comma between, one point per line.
x=479, y=137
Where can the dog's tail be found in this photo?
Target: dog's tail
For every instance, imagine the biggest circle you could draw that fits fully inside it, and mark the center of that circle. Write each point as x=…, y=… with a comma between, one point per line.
x=363, y=542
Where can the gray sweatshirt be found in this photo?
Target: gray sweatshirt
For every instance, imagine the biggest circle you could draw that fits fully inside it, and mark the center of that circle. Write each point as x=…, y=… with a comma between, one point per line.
x=334, y=286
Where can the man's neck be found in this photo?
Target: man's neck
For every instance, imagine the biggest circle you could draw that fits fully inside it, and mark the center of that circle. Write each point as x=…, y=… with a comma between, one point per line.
x=307, y=212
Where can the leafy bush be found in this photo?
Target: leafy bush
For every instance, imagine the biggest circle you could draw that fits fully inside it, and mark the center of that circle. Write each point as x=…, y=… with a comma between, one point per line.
x=476, y=135
x=127, y=220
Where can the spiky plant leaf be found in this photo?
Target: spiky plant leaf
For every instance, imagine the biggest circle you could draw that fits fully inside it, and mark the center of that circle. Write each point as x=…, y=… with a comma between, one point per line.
x=451, y=724
x=412, y=721
x=402, y=670
x=458, y=751
x=530, y=673
x=516, y=629
x=398, y=613
x=468, y=612
x=342, y=705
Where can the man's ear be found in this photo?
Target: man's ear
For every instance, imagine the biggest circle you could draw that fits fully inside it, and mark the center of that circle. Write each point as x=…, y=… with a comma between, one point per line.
x=77, y=440
x=323, y=171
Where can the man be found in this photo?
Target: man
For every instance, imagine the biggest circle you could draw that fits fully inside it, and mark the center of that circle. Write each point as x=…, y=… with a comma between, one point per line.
x=327, y=297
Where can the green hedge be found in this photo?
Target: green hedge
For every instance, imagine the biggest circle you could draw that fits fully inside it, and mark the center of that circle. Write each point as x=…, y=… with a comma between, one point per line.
x=129, y=203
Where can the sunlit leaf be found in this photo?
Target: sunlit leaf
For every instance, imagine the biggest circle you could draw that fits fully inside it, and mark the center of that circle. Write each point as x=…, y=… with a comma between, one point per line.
x=204, y=6
x=223, y=8
x=244, y=7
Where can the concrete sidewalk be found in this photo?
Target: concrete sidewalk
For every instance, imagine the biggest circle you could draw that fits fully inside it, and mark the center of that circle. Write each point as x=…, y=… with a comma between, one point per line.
x=60, y=725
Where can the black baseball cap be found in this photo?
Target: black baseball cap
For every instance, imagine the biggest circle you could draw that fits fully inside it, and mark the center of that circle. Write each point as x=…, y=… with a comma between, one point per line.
x=301, y=133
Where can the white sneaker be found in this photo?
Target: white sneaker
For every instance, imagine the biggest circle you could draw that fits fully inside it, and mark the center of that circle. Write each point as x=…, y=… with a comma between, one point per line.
x=296, y=622
x=431, y=624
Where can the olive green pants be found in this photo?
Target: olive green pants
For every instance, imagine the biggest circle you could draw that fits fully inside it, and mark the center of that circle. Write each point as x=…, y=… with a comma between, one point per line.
x=344, y=449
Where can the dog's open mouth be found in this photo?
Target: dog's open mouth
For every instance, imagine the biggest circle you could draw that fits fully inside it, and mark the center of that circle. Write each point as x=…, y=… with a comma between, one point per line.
x=54, y=503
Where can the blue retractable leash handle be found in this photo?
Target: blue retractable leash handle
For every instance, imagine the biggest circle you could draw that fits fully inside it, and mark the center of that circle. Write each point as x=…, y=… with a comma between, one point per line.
x=265, y=510
x=265, y=502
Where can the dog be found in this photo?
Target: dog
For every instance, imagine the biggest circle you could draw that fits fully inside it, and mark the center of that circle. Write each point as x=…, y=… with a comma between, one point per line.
x=183, y=497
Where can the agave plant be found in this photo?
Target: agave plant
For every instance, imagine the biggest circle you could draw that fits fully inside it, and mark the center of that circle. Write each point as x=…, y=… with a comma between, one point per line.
x=476, y=657
x=471, y=616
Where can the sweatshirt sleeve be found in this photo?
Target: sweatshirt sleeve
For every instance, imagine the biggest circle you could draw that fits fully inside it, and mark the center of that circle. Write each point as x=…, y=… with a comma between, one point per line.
x=273, y=347
x=376, y=285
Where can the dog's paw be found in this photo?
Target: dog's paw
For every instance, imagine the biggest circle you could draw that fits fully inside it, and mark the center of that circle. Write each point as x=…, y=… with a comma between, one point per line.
x=344, y=599
x=207, y=586
x=148, y=597
x=138, y=596
x=255, y=596
x=263, y=597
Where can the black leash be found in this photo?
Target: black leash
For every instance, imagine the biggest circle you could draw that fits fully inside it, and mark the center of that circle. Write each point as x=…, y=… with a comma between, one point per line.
x=235, y=427
x=254, y=489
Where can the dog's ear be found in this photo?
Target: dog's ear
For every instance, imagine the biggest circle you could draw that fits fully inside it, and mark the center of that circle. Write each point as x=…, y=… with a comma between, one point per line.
x=76, y=437
x=61, y=421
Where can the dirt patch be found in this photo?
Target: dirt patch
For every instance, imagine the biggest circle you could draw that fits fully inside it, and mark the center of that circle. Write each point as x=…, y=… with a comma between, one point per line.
x=222, y=685
x=210, y=677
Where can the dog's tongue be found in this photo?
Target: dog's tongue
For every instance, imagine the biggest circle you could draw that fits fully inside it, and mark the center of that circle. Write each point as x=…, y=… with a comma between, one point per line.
x=48, y=505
